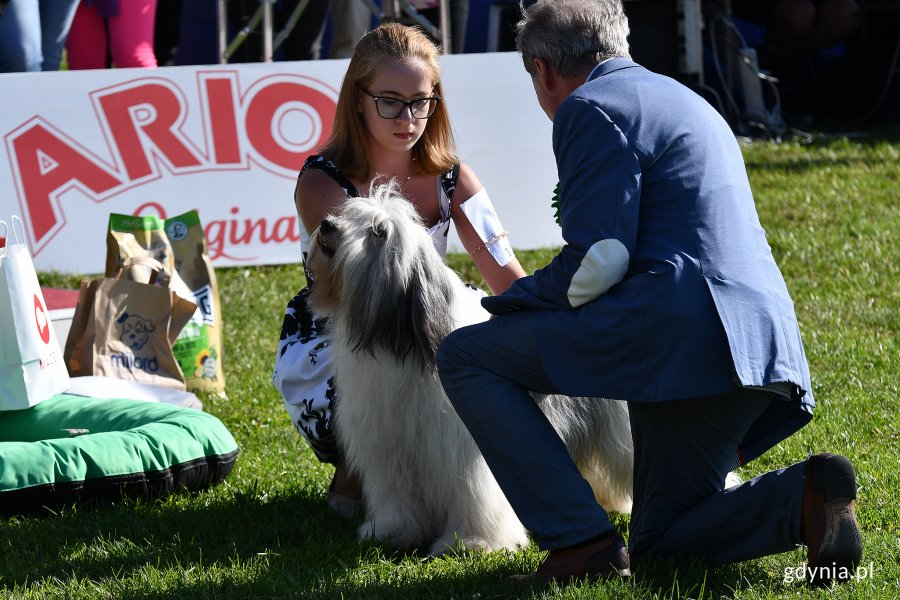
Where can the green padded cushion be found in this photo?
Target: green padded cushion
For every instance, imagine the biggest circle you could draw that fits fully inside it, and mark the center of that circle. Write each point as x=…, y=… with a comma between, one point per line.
x=130, y=448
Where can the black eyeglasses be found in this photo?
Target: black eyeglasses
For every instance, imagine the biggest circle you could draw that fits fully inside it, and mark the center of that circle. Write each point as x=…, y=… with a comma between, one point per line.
x=391, y=108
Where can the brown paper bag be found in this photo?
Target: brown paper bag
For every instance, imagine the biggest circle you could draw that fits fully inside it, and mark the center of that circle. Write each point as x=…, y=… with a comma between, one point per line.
x=124, y=327
x=139, y=236
x=78, y=353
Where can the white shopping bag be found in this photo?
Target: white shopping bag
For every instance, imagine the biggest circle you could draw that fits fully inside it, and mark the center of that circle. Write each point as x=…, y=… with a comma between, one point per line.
x=31, y=362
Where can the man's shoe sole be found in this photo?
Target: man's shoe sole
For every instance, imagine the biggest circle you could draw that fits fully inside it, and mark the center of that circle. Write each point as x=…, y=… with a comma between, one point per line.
x=841, y=549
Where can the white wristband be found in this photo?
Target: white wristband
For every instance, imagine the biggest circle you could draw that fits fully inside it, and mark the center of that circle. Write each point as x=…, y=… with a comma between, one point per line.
x=481, y=214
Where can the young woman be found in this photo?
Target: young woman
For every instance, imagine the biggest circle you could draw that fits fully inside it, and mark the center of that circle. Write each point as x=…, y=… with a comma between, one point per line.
x=390, y=122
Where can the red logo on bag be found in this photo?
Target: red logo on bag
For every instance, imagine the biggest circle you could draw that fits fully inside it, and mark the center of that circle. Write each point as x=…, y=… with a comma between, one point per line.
x=41, y=320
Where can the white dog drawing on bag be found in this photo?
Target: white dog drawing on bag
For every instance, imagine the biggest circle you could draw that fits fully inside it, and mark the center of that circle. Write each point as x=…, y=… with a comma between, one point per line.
x=391, y=300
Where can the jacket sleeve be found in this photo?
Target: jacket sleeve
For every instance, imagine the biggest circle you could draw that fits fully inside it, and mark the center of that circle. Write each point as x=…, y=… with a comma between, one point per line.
x=599, y=197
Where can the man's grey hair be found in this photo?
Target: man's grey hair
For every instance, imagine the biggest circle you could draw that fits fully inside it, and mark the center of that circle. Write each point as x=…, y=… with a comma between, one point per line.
x=572, y=35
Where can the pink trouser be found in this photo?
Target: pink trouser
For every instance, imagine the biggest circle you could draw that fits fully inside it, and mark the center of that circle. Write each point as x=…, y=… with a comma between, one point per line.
x=130, y=36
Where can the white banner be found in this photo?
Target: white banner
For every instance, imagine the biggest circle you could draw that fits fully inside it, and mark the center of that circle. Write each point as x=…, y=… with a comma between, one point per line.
x=228, y=141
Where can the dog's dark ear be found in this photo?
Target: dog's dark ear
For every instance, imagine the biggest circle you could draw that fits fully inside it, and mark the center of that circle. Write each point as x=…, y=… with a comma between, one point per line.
x=379, y=228
x=327, y=225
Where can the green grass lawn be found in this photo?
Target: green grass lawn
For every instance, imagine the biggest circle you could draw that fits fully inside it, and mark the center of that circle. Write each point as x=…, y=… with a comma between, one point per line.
x=832, y=213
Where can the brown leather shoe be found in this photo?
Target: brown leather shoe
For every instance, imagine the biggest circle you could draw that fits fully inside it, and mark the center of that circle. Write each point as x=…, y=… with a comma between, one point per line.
x=604, y=558
x=828, y=521
x=344, y=493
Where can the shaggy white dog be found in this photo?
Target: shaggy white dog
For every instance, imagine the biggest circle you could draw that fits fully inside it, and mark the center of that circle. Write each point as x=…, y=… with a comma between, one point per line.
x=391, y=300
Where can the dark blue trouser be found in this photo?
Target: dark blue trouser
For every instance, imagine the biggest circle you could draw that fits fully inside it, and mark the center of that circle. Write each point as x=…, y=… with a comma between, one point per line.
x=683, y=451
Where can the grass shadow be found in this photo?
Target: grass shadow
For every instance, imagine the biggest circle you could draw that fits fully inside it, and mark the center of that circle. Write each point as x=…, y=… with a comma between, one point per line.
x=176, y=533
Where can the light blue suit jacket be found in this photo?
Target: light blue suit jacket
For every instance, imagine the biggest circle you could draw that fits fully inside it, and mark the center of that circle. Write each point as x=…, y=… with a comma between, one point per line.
x=666, y=287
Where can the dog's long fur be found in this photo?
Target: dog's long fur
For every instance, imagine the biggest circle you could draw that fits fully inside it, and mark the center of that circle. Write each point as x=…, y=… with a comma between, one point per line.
x=391, y=300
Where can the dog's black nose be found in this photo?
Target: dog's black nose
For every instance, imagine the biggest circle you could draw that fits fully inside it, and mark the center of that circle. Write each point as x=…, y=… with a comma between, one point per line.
x=327, y=226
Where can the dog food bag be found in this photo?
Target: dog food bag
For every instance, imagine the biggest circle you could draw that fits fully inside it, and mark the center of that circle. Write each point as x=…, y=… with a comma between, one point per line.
x=130, y=236
x=124, y=327
x=198, y=348
x=179, y=244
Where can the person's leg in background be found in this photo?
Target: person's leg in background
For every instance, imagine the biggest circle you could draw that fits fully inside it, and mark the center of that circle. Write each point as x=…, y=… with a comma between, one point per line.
x=131, y=34
x=305, y=41
x=458, y=12
x=86, y=47
x=20, y=37
x=197, y=34
x=165, y=31
x=56, y=22
x=350, y=20
x=33, y=34
x=459, y=21
x=808, y=25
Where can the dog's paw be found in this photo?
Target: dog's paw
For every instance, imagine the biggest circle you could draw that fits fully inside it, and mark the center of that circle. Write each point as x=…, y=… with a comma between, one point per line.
x=621, y=504
x=402, y=536
x=451, y=543
x=367, y=531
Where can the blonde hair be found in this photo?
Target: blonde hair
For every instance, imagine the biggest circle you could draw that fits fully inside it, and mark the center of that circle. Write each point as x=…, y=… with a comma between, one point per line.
x=346, y=147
